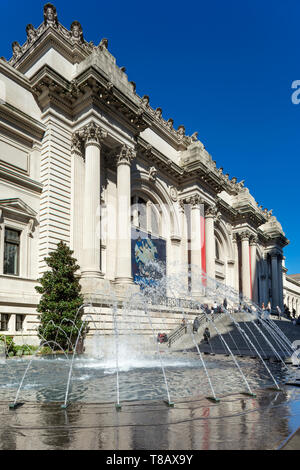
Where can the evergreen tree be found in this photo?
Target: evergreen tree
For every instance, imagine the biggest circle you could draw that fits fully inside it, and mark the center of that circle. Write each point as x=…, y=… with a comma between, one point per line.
x=61, y=299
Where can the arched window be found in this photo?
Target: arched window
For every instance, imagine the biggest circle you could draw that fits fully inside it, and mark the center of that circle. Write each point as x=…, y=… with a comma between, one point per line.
x=145, y=215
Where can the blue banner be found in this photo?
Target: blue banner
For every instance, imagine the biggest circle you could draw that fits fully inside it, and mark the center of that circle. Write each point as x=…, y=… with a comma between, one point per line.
x=147, y=251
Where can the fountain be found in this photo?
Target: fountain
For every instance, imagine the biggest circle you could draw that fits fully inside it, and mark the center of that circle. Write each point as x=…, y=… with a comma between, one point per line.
x=2, y=351
x=125, y=360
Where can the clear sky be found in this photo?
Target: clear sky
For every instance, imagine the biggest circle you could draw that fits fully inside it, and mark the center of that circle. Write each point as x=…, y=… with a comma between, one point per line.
x=222, y=68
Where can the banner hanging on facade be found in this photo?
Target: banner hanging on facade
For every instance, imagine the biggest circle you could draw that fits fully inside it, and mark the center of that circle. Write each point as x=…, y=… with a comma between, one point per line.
x=146, y=252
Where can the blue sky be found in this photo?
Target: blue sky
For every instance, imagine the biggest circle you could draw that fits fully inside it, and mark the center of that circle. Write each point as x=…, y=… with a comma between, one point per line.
x=224, y=69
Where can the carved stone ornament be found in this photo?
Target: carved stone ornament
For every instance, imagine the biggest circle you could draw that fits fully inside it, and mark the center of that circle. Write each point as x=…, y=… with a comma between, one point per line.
x=170, y=123
x=173, y=193
x=50, y=15
x=93, y=134
x=125, y=155
x=30, y=228
x=31, y=33
x=181, y=132
x=152, y=173
x=103, y=44
x=145, y=101
x=194, y=200
x=194, y=137
x=211, y=211
x=76, y=32
x=76, y=143
x=158, y=113
x=245, y=235
x=17, y=49
x=87, y=135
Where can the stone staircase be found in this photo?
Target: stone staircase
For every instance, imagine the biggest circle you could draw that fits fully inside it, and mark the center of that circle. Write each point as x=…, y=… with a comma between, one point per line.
x=238, y=343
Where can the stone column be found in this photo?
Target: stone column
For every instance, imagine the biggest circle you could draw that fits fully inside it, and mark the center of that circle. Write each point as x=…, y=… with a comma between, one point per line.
x=236, y=261
x=125, y=156
x=246, y=284
x=184, y=248
x=275, y=283
x=253, y=244
x=210, y=244
x=280, y=283
x=93, y=136
x=196, y=245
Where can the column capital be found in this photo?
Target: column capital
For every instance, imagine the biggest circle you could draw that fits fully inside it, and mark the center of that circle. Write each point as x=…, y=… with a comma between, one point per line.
x=77, y=144
x=93, y=134
x=125, y=155
x=253, y=240
x=244, y=235
x=211, y=211
x=193, y=200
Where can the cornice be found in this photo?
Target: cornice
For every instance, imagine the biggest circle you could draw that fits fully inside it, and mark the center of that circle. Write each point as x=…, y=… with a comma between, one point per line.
x=20, y=180
x=161, y=161
x=15, y=75
x=88, y=89
x=293, y=281
x=18, y=121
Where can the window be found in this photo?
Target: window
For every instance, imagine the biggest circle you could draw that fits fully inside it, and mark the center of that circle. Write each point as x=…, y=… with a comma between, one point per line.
x=4, y=321
x=11, y=252
x=145, y=215
x=19, y=322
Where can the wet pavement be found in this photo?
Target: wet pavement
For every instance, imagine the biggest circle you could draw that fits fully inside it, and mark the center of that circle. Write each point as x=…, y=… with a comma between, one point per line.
x=237, y=422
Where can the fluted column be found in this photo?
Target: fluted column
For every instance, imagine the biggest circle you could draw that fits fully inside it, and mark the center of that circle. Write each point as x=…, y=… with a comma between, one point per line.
x=184, y=247
x=275, y=283
x=196, y=245
x=253, y=245
x=280, y=281
x=246, y=282
x=210, y=244
x=236, y=261
x=125, y=156
x=92, y=136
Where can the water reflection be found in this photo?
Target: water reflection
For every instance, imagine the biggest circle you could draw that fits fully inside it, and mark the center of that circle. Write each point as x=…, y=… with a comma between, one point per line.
x=237, y=422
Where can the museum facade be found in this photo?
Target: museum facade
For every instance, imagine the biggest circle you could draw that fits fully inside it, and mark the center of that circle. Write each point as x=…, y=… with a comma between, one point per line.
x=86, y=160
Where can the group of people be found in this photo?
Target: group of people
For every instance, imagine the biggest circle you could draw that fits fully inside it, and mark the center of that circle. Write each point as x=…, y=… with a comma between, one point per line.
x=288, y=314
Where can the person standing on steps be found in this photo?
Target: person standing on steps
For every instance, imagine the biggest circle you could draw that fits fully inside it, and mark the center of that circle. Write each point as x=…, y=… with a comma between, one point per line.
x=279, y=312
x=206, y=335
x=196, y=324
x=183, y=323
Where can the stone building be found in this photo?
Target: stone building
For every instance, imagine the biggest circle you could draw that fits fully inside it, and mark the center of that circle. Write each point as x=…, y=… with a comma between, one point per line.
x=77, y=142
x=291, y=291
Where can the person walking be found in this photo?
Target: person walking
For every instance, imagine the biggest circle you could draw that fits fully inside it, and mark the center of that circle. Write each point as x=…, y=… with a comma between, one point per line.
x=196, y=324
x=206, y=335
x=225, y=303
x=279, y=312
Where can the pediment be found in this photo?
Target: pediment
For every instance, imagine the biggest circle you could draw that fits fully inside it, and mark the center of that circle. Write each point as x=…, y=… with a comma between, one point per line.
x=17, y=206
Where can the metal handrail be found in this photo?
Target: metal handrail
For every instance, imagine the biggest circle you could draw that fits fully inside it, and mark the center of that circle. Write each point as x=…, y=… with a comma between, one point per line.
x=181, y=330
